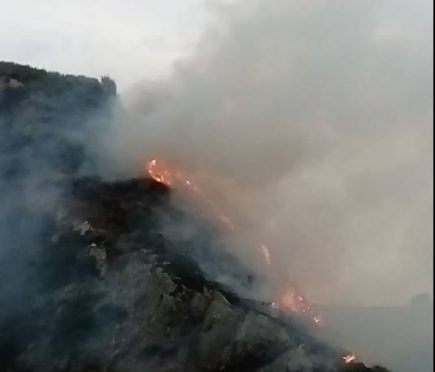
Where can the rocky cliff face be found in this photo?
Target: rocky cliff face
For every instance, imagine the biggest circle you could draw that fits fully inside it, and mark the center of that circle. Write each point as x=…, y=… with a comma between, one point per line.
x=91, y=280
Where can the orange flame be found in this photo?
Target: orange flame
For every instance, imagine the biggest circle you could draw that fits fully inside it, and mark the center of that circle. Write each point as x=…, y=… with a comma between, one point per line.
x=291, y=300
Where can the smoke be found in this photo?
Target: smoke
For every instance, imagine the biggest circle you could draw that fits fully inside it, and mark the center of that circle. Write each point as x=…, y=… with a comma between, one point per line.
x=403, y=333
x=312, y=122
x=309, y=122
x=47, y=126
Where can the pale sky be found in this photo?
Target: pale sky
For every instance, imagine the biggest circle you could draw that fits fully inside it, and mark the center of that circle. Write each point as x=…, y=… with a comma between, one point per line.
x=126, y=39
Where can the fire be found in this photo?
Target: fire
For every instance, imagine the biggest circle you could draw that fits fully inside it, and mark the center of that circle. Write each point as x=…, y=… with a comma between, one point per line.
x=349, y=358
x=292, y=299
x=160, y=173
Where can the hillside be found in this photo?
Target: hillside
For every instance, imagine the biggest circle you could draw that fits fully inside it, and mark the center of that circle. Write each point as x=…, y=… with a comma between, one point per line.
x=91, y=280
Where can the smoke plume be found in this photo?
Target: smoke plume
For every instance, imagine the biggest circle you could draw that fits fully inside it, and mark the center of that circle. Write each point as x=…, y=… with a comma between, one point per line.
x=313, y=121
x=311, y=124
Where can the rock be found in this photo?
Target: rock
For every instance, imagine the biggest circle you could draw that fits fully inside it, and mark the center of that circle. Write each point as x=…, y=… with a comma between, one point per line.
x=258, y=341
x=216, y=333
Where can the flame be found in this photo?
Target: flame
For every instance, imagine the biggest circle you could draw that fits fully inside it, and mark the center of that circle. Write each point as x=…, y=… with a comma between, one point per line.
x=289, y=300
x=160, y=173
x=292, y=299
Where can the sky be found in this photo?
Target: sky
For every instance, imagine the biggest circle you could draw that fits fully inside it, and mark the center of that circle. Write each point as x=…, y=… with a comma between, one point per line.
x=128, y=40
x=331, y=100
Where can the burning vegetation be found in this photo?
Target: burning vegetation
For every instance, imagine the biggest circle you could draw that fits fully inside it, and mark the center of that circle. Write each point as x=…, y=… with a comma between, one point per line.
x=102, y=276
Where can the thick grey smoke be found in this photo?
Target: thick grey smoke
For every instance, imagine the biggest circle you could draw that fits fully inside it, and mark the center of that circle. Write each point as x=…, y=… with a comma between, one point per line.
x=312, y=123
x=314, y=120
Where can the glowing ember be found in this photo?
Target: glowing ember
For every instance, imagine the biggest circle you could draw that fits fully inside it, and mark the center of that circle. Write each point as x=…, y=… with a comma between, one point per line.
x=349, y=358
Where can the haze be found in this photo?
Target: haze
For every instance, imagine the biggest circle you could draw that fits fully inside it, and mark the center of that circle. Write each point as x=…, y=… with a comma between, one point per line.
x=319, y=114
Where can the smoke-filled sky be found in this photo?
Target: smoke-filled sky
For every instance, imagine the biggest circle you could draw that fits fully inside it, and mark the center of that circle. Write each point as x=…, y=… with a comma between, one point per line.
x=317, y=115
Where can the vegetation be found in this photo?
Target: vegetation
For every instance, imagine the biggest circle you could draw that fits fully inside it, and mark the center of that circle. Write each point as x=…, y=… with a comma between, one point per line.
x=44, y=117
